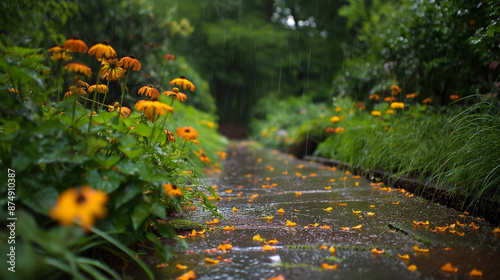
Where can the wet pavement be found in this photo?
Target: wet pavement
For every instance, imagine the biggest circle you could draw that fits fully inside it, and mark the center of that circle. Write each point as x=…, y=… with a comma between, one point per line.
x=358, y=218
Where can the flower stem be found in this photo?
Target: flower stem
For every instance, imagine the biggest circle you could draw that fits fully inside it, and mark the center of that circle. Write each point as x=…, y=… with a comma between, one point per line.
x=124, y=87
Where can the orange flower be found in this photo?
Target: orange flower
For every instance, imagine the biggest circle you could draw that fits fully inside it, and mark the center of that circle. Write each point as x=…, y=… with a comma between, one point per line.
x=99, y=88
x=411, y=95
x=376, y=113
x=427, y=101
x=83, y=205
x=389, y=99
x=111, y=69
x=169, y=135
x=153, y=108
x=202, y=156
x=102, y=49
x=454, y=97
x=79, y=68
x=176, y=94
x=59, y=54
x=395, y=90
x=75, y=45
x=397, y=105
x=74, y=91
x=187, y=133
x=334, y=119
x=374, y=96
x=449, y=268
x=182, y=82
x=169, y=56
x=149, y=90
x=131, y=62
x=124, y=112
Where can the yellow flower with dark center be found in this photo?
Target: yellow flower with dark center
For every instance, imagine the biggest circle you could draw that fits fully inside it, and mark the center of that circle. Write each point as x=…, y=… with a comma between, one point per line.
x=79, y=68
x=176, y=94
x=111, y=69
x=376, y=113
x=153, y=108
x=102, y=50
x=81, y=205
x=98, y=88
x=187, y=133
x=170, y=136
x=395, y=90
x=149, y=90
x=374, y=96
x=183, y=82
x=202, y=156
x=397, y=105
x=74, y=91
x=172, y=190
x=75, y=45
x=131, y=62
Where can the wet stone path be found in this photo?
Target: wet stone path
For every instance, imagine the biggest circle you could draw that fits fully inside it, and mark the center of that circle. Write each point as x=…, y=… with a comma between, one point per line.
x=328, y=224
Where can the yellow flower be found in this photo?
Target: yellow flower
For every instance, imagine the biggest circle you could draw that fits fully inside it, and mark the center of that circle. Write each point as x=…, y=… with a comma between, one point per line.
x=60, y=55
x=173, y=190
x=98, y=88
x=176, y=94
x=75, y=45
x=82, y=205
x=74, y=91
x=182, y=82
x=149, y=90
x=389, y=112
x=124, y=112
x=376, y=113
x=397, y=105
x=338, y=109
x=374, y=96
x=111, y=69
x=202, y=156
x=131, y=62
x=187, y=133
x=153, y=108
x=79, y=68
x=281, y=211
x=334, y=119
x=290, y=223
x=395, y=90
x=102, y=49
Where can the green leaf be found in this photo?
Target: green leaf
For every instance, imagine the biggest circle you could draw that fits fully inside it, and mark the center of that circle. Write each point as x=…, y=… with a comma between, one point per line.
x=158, y=210
x=100, y=265
x=143, y=130
x=125, y=249
x=141, y=211
x=107, y=161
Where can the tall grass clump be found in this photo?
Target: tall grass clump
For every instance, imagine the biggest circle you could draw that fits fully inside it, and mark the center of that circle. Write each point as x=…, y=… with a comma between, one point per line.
x=470, y=155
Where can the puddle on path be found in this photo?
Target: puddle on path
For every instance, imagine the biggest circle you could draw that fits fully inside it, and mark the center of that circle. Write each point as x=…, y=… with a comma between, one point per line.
x=336, y=199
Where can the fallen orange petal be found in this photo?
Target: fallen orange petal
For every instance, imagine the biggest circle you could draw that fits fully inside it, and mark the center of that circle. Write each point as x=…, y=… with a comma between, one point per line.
x=346, y=228
x=193, y=233
x=420, y=250
x=375, y=251
x=235, y=210
x=404, y=257
x=356, y=212
x=268, y=218
x=180, y=266
x=476, y=272
x=325, y=227
x=281, y=211
x=257, y=238
x=161, y=265
x=473, y=225
x=328, y=188
x=412, y=267
x=279, y=277
x=228, y=228
x=357, y=227
x=327, y=209
x=449, y=268
x=268, y=248
x=210, y=261
x=322, y=247
x=181, y=236
x=298, y=193
x=370, y=213
x=496, y=230
x=372, y=206
x=326, y=266
x=343, y=204
x=187, y=276
x=273, y=241
x=290, y=223
x=332, y=250
x=396, y=203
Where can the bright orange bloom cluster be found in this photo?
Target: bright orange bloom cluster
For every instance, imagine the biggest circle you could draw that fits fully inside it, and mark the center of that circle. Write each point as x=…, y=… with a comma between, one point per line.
x=397, y=105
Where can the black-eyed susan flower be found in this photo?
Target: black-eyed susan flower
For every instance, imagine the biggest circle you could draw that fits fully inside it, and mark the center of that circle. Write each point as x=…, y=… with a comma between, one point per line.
x=183, y=82
x=101, y=50
x=131, y=62
x=153, y=108
x=187, y=133
x=176, y=94
x=111, y=69
x=149, y=90
x=98, y=88
x=79, y=68
x=169, y=56
x=82, y=84
x=172, y=190
x=203, y=157
x=75, y=45
x=395, y=90
x=81, y=205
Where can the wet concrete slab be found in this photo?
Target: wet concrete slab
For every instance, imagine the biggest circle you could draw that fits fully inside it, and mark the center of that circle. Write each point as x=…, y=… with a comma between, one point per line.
x=357, y=215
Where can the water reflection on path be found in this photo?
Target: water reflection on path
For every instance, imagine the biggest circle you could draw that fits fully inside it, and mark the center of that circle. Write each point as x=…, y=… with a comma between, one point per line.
x=361, y=216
